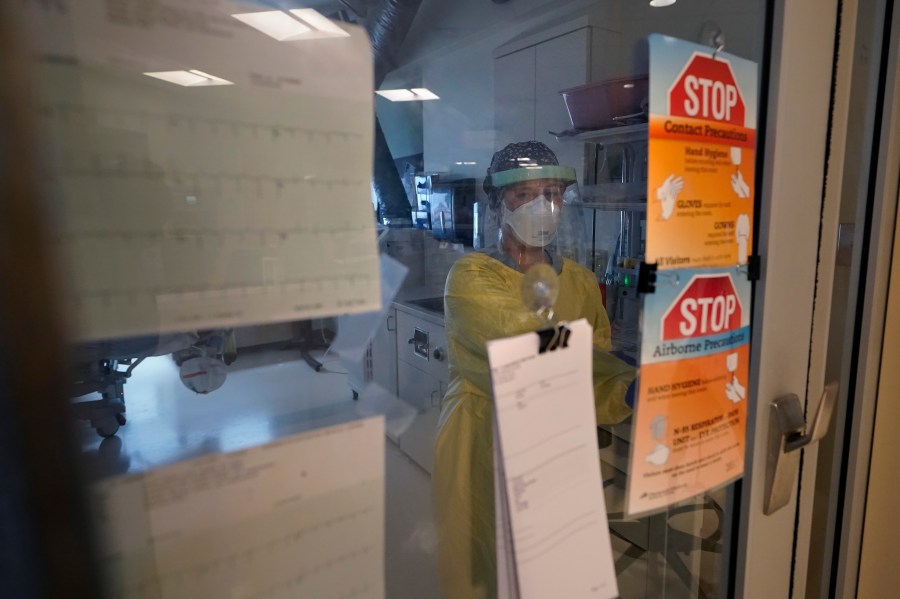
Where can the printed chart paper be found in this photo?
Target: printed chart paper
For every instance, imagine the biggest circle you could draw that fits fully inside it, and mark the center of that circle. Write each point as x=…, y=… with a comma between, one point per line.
x=702, y=154
x=551, y=511
x=689, y=427
x=185, y=207
x=299, y=517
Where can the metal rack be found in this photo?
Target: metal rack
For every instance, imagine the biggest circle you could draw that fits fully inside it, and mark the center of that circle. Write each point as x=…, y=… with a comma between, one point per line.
x=622, y=134
x=627, y=197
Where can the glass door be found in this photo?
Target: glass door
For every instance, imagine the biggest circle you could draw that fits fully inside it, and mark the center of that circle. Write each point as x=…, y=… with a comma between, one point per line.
x=279, y=285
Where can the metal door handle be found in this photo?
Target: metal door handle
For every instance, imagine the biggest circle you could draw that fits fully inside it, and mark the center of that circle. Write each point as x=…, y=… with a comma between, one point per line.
x=389, y=318
x=820, y=422
x=789, y=432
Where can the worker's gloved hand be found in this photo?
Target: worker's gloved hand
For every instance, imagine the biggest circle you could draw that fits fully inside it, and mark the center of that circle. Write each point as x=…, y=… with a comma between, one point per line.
x=668, y=192
x=631, y=394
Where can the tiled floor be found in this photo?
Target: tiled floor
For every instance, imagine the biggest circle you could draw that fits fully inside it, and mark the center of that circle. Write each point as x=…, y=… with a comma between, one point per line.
x=272, y=393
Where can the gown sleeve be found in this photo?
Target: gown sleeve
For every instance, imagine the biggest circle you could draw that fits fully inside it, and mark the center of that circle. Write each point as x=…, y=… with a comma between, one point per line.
x=612, y=376
x=482, y=303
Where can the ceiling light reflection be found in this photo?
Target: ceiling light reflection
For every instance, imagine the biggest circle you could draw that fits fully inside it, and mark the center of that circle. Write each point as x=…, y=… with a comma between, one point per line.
x=191, y=78
x=407, y=95
x=299, y=24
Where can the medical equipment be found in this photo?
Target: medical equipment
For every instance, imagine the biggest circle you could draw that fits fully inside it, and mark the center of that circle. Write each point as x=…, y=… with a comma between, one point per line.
x=105, y=366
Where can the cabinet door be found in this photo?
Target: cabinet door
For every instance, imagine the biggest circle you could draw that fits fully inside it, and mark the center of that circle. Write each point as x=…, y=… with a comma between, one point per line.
x=418, y=440
x=384, y=354
x=417, y=388
x=560, y=63
x=527, y=85
x=424, y=392
x=514, y=100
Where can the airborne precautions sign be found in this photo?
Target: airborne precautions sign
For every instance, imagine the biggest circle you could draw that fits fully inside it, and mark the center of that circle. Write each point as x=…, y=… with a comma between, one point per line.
x=688, y=435
x=702, y=153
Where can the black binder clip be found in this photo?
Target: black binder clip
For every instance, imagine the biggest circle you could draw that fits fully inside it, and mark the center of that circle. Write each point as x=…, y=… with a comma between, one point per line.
x=553, y=338
x=646, y=282
x=753, y=268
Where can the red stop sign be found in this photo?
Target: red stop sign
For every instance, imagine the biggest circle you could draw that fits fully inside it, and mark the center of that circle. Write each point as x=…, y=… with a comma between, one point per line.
x=707, y=89
x=708, y=305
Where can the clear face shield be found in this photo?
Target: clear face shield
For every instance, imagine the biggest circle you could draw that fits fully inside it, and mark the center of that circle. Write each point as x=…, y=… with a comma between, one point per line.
x=540, y=207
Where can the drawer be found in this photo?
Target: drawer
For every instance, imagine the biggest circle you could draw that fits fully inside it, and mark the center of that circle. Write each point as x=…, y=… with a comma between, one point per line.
x=422, y=344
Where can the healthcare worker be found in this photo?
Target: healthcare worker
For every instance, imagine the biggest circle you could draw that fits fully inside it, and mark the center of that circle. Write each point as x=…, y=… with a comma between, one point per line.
x=528, y=192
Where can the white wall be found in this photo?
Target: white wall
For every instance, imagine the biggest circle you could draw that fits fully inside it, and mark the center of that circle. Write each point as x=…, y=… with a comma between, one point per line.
x=401, y=122
x=451, y=45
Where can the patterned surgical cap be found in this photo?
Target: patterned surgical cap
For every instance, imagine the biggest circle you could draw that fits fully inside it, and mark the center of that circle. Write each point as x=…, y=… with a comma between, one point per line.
x=517, y=155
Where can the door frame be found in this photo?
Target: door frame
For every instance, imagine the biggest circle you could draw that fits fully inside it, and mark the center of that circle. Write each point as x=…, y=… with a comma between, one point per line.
x=873, y=259
x=806, y=115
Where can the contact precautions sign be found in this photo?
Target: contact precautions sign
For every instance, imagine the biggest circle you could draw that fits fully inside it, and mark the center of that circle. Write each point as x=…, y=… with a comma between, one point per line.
x=701, y=156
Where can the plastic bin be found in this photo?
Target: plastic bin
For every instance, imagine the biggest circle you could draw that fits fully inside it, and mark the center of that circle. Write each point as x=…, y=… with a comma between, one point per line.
x=597, y=105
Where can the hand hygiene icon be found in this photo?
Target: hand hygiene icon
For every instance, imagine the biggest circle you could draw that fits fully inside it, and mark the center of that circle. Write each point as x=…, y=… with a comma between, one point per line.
x=734, y=391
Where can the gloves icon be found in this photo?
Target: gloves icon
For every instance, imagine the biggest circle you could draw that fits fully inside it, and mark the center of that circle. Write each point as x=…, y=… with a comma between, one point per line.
x=667, y=194
x=740, y=186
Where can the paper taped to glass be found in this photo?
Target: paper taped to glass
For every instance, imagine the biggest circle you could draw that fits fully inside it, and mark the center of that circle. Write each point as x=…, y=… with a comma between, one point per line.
x=299, y=517
x=203, y=173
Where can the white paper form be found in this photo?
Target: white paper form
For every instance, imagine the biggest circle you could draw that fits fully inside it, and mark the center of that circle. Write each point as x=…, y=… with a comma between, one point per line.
x=183, y=208
x=507, y=583
x=300, y=517
x=549, y=462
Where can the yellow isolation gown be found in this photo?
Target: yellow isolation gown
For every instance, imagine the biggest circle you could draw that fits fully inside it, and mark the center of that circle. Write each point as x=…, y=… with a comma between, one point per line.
x=483, y=302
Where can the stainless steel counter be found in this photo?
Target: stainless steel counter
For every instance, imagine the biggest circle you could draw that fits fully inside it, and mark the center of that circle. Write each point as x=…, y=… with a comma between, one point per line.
x=430, y=309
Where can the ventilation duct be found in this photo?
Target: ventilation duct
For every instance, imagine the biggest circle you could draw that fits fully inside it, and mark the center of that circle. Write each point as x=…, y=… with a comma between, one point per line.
x=387, y=23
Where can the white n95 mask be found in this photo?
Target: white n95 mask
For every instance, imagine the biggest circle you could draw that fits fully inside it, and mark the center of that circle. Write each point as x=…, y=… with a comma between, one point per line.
x=533, y=223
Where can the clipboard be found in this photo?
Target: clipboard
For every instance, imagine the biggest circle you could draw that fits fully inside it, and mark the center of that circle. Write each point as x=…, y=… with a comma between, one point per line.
x=552, y=532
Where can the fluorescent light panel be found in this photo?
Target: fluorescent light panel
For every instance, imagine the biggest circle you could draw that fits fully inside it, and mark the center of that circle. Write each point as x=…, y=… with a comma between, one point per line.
x=661, y=3
x=407, y=95
x=299, y=24
x=191, y=78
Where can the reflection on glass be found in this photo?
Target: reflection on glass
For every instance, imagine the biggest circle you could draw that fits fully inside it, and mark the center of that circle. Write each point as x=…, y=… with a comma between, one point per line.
x=294, y=25
x=191, y=78
x=189, y=208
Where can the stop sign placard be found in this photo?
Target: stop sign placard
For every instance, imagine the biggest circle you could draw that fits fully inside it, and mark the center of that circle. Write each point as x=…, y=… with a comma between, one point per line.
x=707, y=89
x=708, y=305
